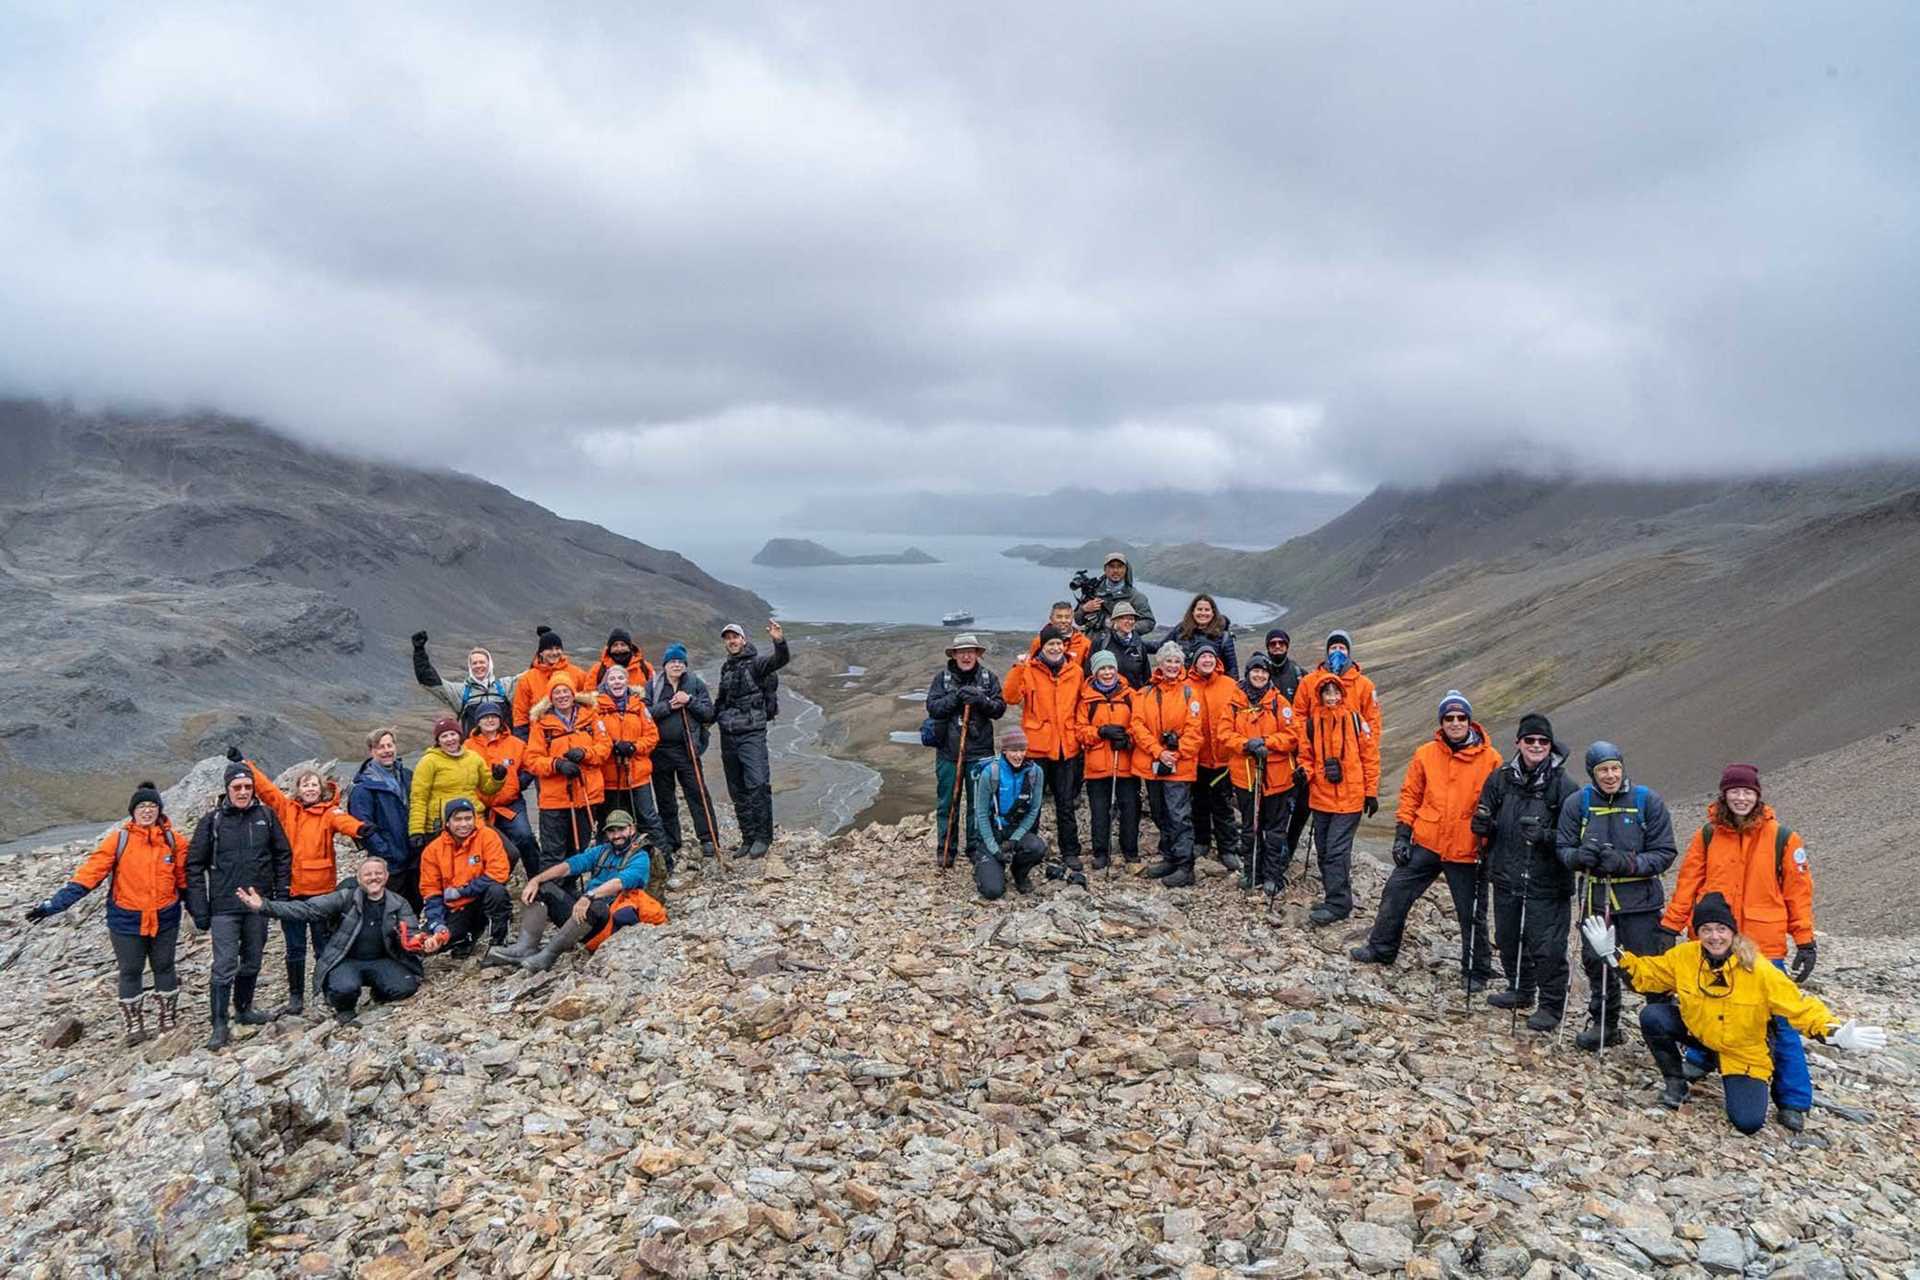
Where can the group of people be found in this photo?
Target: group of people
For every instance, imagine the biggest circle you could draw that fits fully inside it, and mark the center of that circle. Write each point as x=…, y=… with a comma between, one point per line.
x=1240, y=762
x=602, y=755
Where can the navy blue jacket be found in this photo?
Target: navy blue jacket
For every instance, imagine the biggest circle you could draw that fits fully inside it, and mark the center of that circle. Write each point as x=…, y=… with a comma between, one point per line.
x=375, y=801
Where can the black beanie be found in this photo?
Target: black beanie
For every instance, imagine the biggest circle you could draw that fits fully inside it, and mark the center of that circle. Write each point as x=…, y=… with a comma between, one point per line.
x=1051, y=632
x=145, y=793
x=619, y=636
x=548, y=640
x=1713, y=909
x=1533, y=722
x=237, y=769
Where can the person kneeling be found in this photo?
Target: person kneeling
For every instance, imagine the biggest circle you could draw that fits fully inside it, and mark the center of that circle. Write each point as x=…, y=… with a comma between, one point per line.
x=616, y=872
x=1007, y=795
x=463, y=880
x=1723, y=1003
x=364, y=948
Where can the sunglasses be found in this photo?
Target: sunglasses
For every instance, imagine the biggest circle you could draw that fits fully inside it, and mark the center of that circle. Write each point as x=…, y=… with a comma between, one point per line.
x=1453, y=719
x=1535, y=740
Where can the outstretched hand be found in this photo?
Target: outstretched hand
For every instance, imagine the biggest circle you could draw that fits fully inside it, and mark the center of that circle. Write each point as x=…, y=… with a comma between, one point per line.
x=249, y=898
x=419, y=639
x=1854, y=1038
x=775, y=631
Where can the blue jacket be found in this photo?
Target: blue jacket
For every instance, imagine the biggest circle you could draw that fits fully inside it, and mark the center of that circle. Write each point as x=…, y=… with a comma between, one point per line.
x=994, y=827
x=383, y=807
x=601, y=863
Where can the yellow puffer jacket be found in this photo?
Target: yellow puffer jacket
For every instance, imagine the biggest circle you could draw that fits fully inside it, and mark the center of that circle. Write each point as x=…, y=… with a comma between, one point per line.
x=439, y=778
x=1729, y=1017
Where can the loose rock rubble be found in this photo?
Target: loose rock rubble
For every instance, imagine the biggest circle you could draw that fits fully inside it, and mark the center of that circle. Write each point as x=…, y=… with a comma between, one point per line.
x=839, y=1063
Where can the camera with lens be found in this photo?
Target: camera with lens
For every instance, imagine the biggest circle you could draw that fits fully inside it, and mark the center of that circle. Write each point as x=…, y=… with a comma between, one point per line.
x=1169, y=741
x=1333, y=771
x=1085, y=585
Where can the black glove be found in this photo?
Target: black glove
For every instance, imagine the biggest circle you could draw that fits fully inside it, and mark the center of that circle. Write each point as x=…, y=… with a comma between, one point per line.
x=233, y=754
x=576, y=754
x=417, y=843
x=419, y=639
x=1402, y=845
x=566, y=768
x=203, y=921
x=1482, y=823
x=1530, y=828
x=1668, y=939
x=1116, y=734
x=38, y=911
x=1299, y=776
x=1616, y=862
x=1803, y=959
x=972, y=694
x=1256, y=746
x=624, y=749
x=1371, y=807
x=1587, y=856
x=500, y=773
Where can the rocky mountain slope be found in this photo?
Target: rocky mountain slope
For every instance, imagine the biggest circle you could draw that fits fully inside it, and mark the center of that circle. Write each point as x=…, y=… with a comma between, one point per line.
x=1111, y=1081
x=169, y=584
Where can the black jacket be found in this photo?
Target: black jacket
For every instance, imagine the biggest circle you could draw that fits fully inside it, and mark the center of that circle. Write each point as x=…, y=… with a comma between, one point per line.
x=1133, y=654
x=946, y=703
x=1512, y=861
x=236, y=849
x=1619, y=821
x=739, y=706
x=342, y=909
x=1287, y=676
x=698, y=712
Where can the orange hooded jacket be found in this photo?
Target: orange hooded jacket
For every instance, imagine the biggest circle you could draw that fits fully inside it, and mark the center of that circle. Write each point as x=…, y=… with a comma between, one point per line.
x=1079, y=645
x=1097, y=710
x=1168, y=705
x=1348, y=732
x=508, y=750
x=1047, y=700
x=446, y=862
x=639, y=670
x=1440, y=790
x=310, y=831
x=1218, y=693
x=551, y=737
x=532, y=686
x=1270, y=718
x=151, y=875
x=631, y=724
x=1772, y=898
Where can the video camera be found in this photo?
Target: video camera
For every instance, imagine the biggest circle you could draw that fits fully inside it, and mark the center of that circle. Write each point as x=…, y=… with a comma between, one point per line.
x=1086, y=585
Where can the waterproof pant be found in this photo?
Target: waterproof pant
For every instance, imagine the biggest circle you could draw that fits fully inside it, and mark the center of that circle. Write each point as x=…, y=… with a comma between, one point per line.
x=749, y=783
x=239, y=940
x=559, y=903
x=296, y=932
x=1263, y=836
x=133, y=954
x=1665, y=1032
x=563, y=833
x=954, y=836
x=1063, y=784
x=1792, y=1083
x=1171, y=804
x=490, y=905
x=1635, y=931
x=1404, y=888
x=1533, y=949
x=1106, y=799
x=1216, y=823
x=990, y=870
x=1297, y=820
x=675, y=770
x=517, y=833
x=639, y=804
x=389, y=979
x=1333, y=839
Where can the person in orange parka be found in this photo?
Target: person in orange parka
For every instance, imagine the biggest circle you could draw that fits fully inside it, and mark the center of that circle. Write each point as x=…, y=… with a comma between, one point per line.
x=566, y=744
x=505, y=756
x=531, y=686
x=1079, y=643
x=1337, y=716
x=1107, y=751
x=1435, y=837
x=148, y=864
x=1046, y=688
x=1260, y=739
x=1748, y=856
x=311, y=817
x=463, y=880
x=1166, y=725
x=1215, y=813
x=621, y=651
x=626, y=779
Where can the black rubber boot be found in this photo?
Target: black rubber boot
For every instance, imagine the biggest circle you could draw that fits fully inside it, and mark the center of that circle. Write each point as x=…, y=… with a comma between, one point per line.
x=1589, y=1037
x=219, y=999
x=1511, y=999
x=1161, y=869
x=1673, y=1092
x=1369, y=954
x=243, y=1011
x=296, y=987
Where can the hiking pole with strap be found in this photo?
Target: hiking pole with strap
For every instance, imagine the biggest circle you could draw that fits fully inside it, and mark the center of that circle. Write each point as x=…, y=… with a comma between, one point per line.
x=700, y=782
x=957, y=797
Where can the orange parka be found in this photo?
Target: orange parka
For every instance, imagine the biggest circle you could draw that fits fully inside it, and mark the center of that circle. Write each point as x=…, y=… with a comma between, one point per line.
x=1440, y=790
x=639, y=670
x=446, y=863
x=627, y=722
x=532, y=686
x=1769, y=887
x=147, y=884
x=310, y=831
x=1269, y=718
x=506, y=749
x=1348, y=731
x=1168, y=705
x=1079, y=645
x=1098, y=709
x=551, y=737
x=1218, y=692
x=1048, y=701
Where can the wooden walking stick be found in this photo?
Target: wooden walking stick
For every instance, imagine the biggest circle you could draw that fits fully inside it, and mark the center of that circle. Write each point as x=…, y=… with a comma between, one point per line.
x=957, y=798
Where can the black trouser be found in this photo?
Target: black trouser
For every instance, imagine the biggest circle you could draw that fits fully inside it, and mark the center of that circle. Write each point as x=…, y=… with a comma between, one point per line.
x=1404, y=888
x=749, y=783
x=1333, y=841
x=296, y=932
x=488, y=905
x=1533, y=950
x=1264, y=835
x=1216, y=823
x=674, y=769
x=517, y=833
x=132, y=954
x=1063, y=784
x=563, y=833
x=1635, y=931
x=389, y=979
x=638, y=802
x=239, y=941
x=1171, y=804
x=1297, y=822
x=560, y=901
x=990, y=872
x=1105, y=798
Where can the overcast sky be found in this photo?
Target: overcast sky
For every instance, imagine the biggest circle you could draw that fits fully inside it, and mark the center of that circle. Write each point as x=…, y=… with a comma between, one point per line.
x=983, y=245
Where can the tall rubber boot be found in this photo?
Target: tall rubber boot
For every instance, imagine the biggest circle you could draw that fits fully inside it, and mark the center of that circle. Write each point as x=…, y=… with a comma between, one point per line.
x=533, y=926
x=243, y=1011
x=570, y=935
x=219, y=999
x=296, y=987
x=133, y=1014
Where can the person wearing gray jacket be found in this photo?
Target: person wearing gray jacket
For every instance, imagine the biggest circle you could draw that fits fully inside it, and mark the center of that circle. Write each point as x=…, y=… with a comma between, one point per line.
x=367, y=949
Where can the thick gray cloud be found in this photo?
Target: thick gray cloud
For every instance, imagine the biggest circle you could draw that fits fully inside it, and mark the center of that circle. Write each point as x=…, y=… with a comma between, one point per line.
x=984, y=245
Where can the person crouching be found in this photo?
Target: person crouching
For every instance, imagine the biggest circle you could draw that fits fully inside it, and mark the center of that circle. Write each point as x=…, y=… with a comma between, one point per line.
x=615, y=873
x=463, y=879
x=1007, y=796
x=365, y=949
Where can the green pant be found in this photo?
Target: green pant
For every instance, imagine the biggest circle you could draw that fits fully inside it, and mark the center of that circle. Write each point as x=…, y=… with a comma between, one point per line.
x=953, y=834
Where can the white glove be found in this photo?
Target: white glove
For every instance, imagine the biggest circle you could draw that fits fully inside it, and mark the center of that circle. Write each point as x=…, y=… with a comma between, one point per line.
x=1599, y=936
x=1855, y=1038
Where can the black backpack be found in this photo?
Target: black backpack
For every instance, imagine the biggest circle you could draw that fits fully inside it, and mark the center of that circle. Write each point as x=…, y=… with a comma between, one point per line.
x=770, y=693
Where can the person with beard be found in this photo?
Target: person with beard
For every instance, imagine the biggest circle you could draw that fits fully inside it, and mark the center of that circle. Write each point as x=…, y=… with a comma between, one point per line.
x=963, y=697
x=464, y=696
x=626, y=779
x=1532, y=891
x=530, y=687
x=1203, y=623
x=682, y=710
x=1215, y=813
x=238, y=845
x=1106, y=751
x=1264, y=748
x=1287, y=675
x=1434, y=837
x=1337, y=715
x=744, y=704
x=1122, y=637
x=613, y=876
x=1046, y=688
x=622, y=652
x=1166, y=728
x=1115, y=588
x=1721, y=1000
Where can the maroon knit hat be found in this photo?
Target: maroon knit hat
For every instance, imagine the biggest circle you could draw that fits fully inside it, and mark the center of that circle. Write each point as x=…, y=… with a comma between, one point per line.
x=1013, y=738
x=1740, y=775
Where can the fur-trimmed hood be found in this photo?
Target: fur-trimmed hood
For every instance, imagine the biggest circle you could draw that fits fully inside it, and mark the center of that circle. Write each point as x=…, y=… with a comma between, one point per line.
x=584, y=701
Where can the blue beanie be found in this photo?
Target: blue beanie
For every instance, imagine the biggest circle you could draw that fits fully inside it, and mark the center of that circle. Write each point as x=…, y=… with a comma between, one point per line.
x=1601, y=752
x=676, y=652
x=1455, y=700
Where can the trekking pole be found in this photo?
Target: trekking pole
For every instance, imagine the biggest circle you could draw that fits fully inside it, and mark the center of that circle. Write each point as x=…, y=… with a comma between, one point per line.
x=1586, y=902
x=1470, y=936
x=956, y=797
x=1520, y=950
x=1606, y=972
x=700, y=782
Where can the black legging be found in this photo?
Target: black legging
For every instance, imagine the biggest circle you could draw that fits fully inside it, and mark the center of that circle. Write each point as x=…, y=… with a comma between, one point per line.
x=134, y=954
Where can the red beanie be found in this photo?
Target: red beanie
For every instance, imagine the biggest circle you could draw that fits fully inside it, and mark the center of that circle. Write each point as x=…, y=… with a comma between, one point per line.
x=1740, y=775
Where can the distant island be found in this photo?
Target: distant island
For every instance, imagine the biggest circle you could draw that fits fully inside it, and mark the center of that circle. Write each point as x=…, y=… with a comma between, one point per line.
x=798, y=553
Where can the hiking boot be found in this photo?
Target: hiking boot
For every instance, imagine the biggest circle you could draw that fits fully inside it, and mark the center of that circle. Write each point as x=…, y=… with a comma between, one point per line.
x=463, y=948
x=1792, y=1119
x=1476, y=984
x=758, y=849
x=1178, y=878
x=243, y=1011
x=708, y=849
x=219, y=998
x=1023, y=879
x=1162, y=869
x=1324, y=915
x=1101, y=861
x=1510, y=999
x=1369, y=954
x=347, y=1017
x=533, y=927
x=1673, y=1092
x=1231, y=861
x=1077, y=877
x=1130, y=858
x=1545, y=1021
x=296, y=988
x=1589, y=1037
x=166, y=1005
x=568, y=936
x=1072, y=861
x=133, y=1013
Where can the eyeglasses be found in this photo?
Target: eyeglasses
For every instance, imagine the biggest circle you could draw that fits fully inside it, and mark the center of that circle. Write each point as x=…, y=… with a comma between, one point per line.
x=1535, y=740
x=1453, y=719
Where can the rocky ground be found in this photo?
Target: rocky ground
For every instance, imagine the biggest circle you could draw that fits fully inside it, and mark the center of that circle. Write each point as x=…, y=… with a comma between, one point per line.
x=839, y=1063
